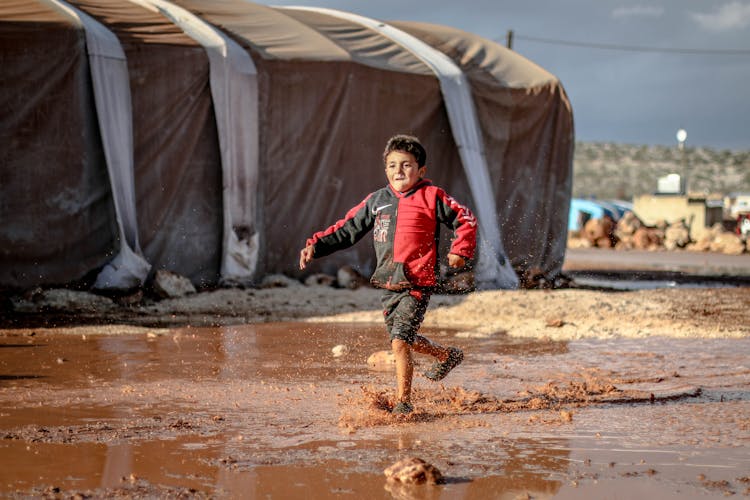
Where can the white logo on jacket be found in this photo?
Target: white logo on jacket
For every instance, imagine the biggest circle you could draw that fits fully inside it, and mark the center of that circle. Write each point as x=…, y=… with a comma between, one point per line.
x=376, y=210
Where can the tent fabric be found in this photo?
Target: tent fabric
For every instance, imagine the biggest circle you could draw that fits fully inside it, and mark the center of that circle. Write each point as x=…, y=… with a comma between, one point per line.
x=329, y=94
x=527, y=126
x=56, y=209
x=493, y=269
x=109, y=76
x=177, y=161
x=322, y=126
x=234, y=89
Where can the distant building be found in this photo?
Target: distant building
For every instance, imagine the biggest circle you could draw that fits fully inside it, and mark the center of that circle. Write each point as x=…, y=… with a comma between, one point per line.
x=737, y=204
x=698, y=212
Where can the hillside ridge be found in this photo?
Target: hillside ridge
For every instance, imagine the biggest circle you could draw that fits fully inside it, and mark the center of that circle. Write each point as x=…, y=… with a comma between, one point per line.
x=621, y=171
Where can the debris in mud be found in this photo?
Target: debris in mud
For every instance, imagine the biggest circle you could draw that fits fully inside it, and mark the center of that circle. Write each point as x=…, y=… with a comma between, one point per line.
x=102, y=432
x=413, y=470
x=373, y=408
x=722, y=485
x=70, y=301
x=131, y=488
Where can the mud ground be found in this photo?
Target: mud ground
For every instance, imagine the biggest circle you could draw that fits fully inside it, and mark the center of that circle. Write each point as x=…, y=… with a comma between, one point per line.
x=648, y=394
x=574, y=393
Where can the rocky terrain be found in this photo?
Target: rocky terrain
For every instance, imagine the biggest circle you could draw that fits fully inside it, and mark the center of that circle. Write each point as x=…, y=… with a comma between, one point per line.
x=634, y=169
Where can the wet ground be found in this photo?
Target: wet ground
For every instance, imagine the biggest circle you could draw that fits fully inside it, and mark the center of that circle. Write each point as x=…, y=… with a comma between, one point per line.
x=706, y=264
x=267, y=411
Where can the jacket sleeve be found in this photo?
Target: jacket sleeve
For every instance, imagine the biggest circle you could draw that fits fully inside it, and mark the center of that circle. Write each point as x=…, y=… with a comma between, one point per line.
x=462, y=221
x=346, y=232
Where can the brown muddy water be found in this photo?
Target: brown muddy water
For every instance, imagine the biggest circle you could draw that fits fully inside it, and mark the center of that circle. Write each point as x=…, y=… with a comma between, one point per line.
x=267, y=411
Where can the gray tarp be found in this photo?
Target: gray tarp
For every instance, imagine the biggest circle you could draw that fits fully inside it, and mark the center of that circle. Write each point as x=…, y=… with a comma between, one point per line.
x=329, y=94
x=234, y=88
x=109, y=76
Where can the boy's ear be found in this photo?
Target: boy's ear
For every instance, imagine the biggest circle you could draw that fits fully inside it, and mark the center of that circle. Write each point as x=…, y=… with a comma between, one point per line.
x=422, y=171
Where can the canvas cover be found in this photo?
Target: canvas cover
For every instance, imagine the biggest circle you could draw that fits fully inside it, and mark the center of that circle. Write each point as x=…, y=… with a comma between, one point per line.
x=330, y=92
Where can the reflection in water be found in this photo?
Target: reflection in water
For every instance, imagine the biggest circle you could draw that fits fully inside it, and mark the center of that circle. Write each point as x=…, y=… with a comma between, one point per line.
x=253, y=410
x=188, y=463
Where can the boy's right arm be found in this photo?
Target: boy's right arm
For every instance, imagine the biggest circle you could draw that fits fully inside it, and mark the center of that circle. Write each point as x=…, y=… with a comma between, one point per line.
x=343, y=234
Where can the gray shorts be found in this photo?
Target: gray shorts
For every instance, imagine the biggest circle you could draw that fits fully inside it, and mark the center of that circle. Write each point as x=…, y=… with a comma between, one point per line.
x=404, y=312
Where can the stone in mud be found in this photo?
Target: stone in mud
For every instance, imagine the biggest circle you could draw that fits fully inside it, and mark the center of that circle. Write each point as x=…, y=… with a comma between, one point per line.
x=169, y=285
x=340, y=350
x=62, y=300
x=413, y=470
x=554, y=322
x=320, y=279
x=279, y=281
x=381, y=360
x=348, y=277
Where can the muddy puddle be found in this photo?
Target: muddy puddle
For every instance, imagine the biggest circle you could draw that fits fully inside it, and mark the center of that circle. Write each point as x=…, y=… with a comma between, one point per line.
x=268, y=411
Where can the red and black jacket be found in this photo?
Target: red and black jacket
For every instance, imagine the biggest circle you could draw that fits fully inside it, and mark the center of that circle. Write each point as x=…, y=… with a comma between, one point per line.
x=405, y=233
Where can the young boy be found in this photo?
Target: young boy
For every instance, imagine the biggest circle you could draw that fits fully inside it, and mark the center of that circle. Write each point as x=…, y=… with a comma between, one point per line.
x=404, y=217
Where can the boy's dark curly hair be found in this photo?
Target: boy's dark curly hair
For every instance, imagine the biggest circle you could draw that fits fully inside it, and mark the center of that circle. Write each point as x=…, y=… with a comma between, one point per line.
x=407, y=144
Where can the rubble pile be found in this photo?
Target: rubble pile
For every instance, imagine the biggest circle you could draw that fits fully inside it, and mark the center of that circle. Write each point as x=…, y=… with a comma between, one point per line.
x=630, y=233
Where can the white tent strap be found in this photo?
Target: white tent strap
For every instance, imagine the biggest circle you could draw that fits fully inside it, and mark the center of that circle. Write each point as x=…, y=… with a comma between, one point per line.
x=234, y=90
x=109, y=74
x=465, y=126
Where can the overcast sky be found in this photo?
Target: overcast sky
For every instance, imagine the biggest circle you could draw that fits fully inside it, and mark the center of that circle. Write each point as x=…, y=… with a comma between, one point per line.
x=700, y=83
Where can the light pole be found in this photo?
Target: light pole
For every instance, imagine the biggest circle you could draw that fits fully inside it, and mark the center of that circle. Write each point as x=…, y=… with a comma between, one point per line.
x=681, y=138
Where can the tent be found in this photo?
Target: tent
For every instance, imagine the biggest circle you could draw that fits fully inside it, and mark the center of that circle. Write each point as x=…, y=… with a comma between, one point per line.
x=211, y=138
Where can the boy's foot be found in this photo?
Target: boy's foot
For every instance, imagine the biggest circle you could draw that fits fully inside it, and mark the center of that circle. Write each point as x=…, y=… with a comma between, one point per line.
x=402, y=408
x=439, y=370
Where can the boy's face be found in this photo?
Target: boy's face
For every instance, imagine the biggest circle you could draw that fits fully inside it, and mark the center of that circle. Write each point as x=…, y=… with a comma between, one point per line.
x=402, y=170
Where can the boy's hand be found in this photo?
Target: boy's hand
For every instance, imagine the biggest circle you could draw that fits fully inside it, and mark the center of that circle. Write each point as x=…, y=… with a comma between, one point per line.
x=306, y=255
x=456, y=260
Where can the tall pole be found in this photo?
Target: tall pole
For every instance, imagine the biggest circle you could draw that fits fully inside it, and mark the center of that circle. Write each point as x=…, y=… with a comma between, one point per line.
x=509, y=39
x=681, y=137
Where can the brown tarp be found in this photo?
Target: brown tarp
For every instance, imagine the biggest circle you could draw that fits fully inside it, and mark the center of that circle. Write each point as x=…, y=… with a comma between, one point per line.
x=175, y=146
x=330, y=94
x=56, y=212
x=527, y=126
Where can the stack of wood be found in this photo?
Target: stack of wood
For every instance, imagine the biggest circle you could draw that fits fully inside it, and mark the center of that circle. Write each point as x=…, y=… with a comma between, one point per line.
x=630, y=233
x=676, y=235
x=600, y=232
x=717, y=239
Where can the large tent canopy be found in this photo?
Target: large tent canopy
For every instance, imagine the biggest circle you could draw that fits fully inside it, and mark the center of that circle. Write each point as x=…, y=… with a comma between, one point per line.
x=210, y=138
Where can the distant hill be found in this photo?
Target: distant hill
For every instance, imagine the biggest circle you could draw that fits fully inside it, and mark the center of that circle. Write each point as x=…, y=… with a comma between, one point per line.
x=619, y=171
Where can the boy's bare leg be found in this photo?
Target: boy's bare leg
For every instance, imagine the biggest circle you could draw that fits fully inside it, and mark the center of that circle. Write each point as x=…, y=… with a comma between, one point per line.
x=404, y=369
x=423, y=345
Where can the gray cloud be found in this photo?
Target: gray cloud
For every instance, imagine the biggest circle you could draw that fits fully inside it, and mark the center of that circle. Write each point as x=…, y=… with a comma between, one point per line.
x=637, y=11
x=627, y=96
x=730, y=16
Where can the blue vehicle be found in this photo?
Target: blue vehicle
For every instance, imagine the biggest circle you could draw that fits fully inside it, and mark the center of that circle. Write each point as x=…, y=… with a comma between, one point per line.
x=581, y=210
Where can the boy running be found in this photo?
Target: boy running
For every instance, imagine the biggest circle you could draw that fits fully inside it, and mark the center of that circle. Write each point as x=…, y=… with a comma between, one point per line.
x=404, y=217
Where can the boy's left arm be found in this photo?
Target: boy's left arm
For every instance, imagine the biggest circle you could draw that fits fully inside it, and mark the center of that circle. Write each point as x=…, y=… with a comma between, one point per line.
x=464, y=225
